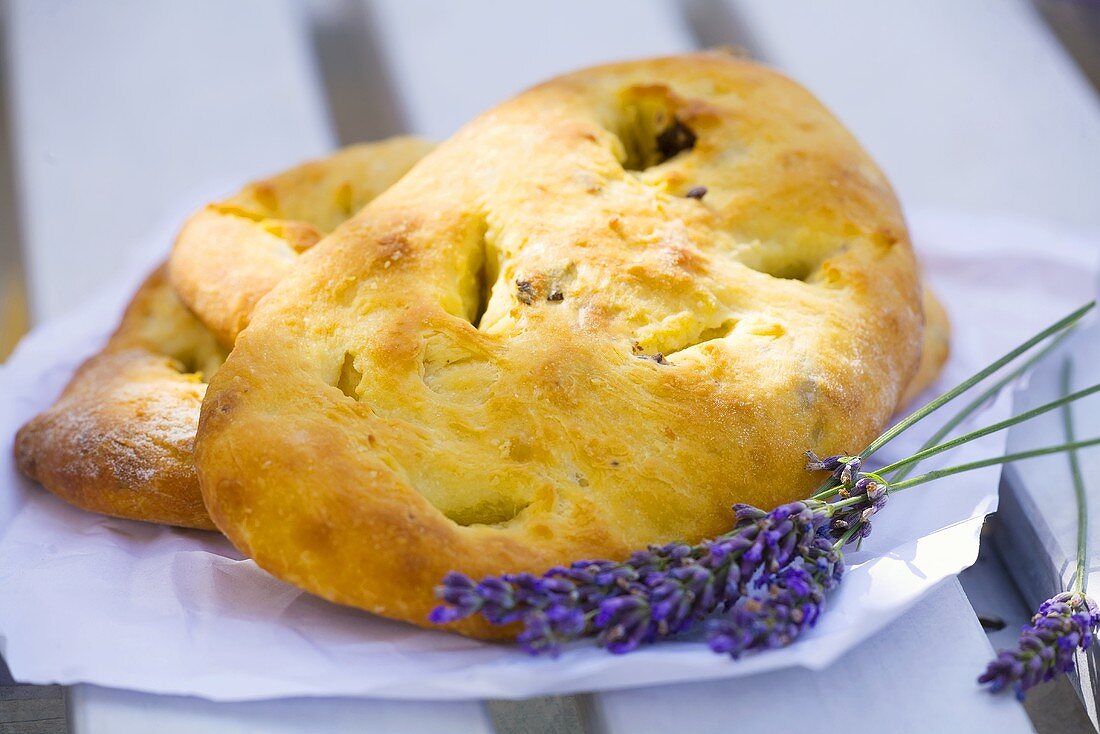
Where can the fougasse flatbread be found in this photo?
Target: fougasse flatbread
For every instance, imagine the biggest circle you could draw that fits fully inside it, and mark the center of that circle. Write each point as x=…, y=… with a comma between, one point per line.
x=594, y=319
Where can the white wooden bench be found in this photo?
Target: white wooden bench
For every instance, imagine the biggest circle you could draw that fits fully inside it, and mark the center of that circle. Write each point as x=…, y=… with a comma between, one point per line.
x=127, y=112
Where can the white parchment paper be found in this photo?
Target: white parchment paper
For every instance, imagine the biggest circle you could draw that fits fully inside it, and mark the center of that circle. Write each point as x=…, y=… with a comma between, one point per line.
x=85, y=598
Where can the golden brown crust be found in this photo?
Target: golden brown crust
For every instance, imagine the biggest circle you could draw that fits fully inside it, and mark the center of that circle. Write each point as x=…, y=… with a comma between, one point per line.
x=232, y=252
x=119, y=440
x=534, y=348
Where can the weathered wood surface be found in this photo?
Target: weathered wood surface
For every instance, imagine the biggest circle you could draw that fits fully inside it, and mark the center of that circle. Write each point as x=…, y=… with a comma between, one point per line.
x=32, y=710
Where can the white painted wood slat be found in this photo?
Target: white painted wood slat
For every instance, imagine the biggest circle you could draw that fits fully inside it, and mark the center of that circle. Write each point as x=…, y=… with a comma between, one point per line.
x=124, y=114
x=451, y=61
x=917, y=675
x=96, y=710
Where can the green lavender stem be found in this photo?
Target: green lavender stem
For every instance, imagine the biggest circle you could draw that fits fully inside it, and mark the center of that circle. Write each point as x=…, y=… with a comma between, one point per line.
x=1019, y=456
x=1063, y=401
x=970, y=382
x=1078, y=482
x=843, y=540
x=983, y=398
x=923, y=412
x=911, y=461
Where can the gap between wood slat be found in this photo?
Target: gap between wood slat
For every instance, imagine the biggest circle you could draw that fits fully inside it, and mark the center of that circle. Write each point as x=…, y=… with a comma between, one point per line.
x=362, y=100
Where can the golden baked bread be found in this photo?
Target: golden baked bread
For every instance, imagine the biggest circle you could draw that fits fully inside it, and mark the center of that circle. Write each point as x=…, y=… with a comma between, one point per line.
x=232, y=252
x=119, y=440
x=547, y=343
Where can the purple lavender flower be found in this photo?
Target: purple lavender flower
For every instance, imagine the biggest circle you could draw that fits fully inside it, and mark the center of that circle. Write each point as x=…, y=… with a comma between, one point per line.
x=1047, y=646
x=844, y=468
x=791, y=602
x=624, y=622
x=655, y=593
x=460, y=598
x=870, y=492
x=544, y=631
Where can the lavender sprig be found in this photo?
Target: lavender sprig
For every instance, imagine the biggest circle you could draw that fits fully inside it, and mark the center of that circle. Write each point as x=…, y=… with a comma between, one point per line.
x=759, y=586
x=665, y=590
x=1061, y=326
x=984, y=398
x=774, y=565
x=1064, y=623
x=654, y=594
x=1047, y=646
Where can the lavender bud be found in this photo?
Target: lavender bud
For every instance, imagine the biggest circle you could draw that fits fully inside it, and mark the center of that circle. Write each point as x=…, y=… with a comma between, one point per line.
x=829, y=463
x=850, y=469
x=1046, y=648
x=747, y=513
